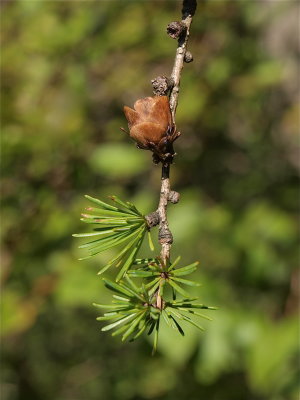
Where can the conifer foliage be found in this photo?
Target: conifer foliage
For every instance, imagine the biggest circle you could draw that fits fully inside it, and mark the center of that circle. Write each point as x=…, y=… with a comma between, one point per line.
x=145, y=290
x=139, y=281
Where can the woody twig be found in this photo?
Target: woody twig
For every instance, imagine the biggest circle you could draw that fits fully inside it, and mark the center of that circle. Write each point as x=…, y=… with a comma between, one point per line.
x=177, y=30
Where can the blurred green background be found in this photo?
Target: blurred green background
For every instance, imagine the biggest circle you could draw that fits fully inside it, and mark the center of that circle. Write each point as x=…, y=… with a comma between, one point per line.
x=68, y=67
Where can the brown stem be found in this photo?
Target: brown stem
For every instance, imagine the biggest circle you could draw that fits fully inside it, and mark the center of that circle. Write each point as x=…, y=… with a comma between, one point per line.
x=188, y=10
x=165, y=236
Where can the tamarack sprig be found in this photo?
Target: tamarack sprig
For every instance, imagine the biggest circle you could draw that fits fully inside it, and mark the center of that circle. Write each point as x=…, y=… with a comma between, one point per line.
x=141, y=305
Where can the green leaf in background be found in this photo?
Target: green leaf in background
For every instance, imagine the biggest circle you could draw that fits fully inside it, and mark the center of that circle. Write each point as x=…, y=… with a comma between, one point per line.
x=118, y=160
x=275, y=342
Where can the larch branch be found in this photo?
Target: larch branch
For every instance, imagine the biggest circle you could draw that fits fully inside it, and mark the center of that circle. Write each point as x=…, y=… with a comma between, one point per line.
x=165, y=235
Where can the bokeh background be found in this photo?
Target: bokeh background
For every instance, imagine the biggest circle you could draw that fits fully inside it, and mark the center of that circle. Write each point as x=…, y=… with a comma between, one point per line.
x=68, y=67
